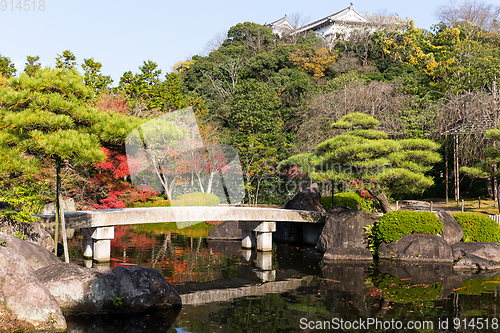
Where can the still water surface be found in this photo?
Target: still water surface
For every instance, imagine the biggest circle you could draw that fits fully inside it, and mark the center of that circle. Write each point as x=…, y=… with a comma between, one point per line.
x=226, y=289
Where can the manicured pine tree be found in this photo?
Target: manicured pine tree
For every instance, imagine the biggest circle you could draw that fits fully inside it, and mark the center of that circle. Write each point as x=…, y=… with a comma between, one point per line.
x=47, y=116
x=362, y=153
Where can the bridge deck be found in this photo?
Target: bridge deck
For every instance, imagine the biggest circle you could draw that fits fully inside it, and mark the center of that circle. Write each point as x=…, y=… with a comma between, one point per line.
x=97, y=226
x=124, y=216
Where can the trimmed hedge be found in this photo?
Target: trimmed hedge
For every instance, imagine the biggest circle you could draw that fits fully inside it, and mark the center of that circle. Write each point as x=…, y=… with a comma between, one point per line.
x=346, y=199
x=196, y=199
x=151, y=203
x=478, y=228
x=394, y=225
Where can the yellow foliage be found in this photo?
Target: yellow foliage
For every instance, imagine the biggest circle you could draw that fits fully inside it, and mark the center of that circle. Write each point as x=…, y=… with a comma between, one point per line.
x=182, y=66
x=314, y=61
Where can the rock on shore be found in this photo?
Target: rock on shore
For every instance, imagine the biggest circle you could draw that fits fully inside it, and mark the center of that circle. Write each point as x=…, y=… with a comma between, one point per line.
x=36, y=287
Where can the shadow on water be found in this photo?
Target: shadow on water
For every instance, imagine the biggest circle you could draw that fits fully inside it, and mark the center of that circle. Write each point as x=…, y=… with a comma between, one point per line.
x=154, y=321
x=227, y=289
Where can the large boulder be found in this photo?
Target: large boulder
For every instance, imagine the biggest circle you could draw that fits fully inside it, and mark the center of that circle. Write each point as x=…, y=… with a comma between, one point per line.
x=21, y=293
x=225, y=230
x=417, y=247
x=36, y=256
x=452, y=230
x=470, y=261
x=34, y=232
x=308, y=199
x=344, y=227
x=79, y=289
x=485, y=250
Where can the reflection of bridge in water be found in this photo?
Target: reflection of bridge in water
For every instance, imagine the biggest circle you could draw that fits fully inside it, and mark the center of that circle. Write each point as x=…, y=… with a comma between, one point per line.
x=261, y=279
x=257, y=224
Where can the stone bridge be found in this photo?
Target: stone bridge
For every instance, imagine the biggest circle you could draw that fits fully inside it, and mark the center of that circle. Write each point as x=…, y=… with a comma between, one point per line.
x=257, y=223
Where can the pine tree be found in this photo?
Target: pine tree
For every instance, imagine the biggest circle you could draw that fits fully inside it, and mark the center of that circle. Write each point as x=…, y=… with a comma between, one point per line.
x=46, y=115
x=362, y=153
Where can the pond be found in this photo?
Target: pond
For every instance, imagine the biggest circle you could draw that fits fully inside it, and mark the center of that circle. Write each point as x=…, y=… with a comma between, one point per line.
x=227, y=289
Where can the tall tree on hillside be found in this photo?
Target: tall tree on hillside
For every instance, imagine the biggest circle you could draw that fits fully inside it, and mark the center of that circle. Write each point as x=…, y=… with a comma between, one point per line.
x=7, y=68
x=32, y=65
x=257, y=131
x=148, y=87
x=479, y=14
x=362, y=153
x=252, y=36
x=66, y=61
x=93, y=77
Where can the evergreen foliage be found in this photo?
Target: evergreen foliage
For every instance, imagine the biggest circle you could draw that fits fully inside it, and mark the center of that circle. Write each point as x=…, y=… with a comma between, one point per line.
x=46, y=116
x=363, y=153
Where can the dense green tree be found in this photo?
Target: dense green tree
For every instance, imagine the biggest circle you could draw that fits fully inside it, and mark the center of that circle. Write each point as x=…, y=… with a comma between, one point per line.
x=32, y=65
x=66, y=61
x=362, y=153
x=251, y=38
x=93, y=77
x=7, y=68
x=256, y=130
x=148, y=87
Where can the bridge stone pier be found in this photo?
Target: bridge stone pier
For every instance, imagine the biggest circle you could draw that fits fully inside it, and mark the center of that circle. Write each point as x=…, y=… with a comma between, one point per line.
x=257, y=223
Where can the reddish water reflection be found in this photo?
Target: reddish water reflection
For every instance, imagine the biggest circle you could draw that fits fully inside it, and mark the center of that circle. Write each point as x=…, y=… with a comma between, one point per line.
x=180, y=258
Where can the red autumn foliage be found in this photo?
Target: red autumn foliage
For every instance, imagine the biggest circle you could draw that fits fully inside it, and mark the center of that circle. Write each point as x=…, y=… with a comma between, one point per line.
x=112, y=102
x=108, y=179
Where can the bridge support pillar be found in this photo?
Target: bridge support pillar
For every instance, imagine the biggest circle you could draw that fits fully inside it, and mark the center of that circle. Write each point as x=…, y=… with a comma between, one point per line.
x=97, y=243
x=257, y=235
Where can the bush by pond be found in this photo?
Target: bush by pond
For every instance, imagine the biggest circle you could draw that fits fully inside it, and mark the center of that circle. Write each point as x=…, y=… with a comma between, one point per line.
x=151, y=203
x=188, y=199
x=396, y=224
x=346, y=199
x=196, y=199
x=478, y=228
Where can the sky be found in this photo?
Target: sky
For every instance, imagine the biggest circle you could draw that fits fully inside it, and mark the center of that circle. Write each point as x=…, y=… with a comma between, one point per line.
x=123, y=34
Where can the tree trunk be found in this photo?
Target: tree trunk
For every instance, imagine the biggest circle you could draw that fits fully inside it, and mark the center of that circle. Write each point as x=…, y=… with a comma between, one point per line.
x=60, y=209
x=456, y=171
x=446, y=165
x=384, y=202
x=489, y=187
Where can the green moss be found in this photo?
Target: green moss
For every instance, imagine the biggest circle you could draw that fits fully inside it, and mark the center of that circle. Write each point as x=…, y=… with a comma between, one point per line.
x=394, y=225
x=346, y=199
x=478, y=228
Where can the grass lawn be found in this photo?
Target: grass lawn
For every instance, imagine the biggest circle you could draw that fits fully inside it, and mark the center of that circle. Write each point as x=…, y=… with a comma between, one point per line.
x=470, y=206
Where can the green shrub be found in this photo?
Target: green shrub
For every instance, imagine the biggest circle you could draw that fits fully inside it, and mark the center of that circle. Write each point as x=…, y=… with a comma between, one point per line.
x=346, y=199
x=394, y=225
x=151, y=203
x=478, y=228
x=196, y=199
